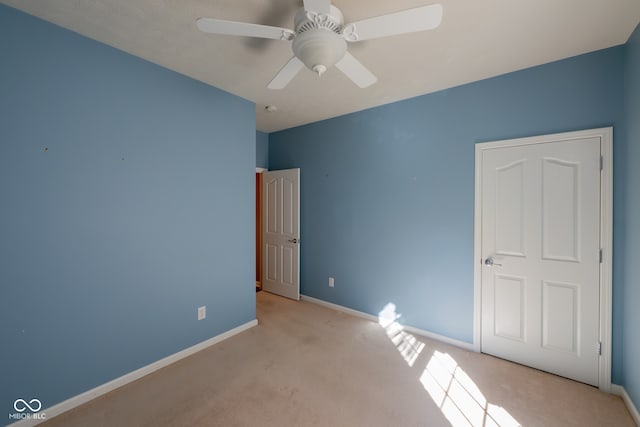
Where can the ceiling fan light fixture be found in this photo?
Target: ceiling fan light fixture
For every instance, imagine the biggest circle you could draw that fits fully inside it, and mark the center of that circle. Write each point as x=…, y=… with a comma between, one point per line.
x=319, y=49
x=320, y=37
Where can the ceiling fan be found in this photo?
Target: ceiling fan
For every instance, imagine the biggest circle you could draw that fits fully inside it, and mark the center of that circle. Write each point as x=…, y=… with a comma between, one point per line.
x=320, y=37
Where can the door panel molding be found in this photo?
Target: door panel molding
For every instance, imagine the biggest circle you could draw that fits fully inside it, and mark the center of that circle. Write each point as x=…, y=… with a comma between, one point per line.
x=606, y=235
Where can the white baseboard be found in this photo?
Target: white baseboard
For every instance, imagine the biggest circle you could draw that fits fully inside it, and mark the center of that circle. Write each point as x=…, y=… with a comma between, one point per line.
x=620, y=391
x=341, y=308
x=82, y=398
x=417, y=331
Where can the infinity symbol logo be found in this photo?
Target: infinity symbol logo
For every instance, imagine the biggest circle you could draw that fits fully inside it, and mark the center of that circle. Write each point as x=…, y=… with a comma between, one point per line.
x=21, y=405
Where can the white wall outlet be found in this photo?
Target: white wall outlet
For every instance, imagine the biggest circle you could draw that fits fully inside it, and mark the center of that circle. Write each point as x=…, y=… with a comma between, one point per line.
x=331, y=283
x=202, y=312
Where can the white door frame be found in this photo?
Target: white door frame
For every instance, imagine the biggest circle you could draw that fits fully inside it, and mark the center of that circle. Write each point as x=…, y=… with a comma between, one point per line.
x=606, y=236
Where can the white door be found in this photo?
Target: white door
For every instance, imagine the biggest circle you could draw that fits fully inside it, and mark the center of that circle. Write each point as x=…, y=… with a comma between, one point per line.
x=541, y=256
x=281, y=232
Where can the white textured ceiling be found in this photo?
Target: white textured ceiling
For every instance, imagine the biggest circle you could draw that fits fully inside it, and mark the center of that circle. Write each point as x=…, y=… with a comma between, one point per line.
x=477, y=39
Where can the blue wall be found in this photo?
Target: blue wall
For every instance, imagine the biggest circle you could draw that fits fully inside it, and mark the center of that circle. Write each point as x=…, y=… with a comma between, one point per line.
x=262, y=150
x=126, y=201
x=630, y=201
x=387, y=194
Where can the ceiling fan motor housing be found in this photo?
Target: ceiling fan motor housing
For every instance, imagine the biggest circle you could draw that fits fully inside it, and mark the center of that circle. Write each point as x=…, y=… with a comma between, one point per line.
x=319, y=43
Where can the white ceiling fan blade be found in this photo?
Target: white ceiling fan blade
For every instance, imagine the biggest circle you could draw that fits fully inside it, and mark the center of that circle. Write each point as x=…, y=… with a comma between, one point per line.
x=233, y=28
x=356, y=71
x=407, y=21
x=319, y=6
x=286, y=74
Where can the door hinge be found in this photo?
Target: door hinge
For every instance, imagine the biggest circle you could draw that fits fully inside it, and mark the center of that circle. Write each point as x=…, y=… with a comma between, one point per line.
x=601, y=163
x=600, y=348
x=600, y=256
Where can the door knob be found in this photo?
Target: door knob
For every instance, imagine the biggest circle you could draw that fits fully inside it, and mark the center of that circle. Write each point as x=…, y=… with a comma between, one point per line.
x=490, y=262
x=292, y=240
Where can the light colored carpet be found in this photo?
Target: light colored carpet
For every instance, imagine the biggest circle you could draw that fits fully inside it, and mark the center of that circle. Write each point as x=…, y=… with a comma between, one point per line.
x=306, y=365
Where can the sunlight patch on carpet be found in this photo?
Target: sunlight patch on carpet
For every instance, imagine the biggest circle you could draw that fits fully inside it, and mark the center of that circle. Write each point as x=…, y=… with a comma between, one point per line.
x=408, y=346
x=449, y=386
x=458, y=397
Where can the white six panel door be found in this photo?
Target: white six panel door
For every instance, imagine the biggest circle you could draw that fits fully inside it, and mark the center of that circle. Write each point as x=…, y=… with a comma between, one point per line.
x=541, y=230
x=281, y=232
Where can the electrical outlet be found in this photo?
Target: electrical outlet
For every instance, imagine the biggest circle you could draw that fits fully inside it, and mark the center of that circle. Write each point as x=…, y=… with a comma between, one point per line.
x=202, y=312
x=331, y=282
